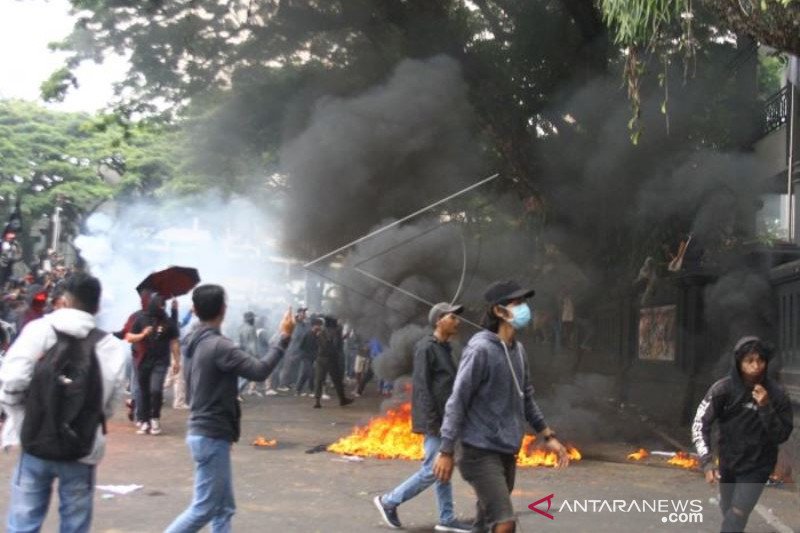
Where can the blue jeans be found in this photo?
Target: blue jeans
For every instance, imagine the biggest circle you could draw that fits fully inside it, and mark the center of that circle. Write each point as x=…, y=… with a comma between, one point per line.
x=32, y=485
x=151, y=389
x=137, y=398
x=213, y=487
x=423, y=479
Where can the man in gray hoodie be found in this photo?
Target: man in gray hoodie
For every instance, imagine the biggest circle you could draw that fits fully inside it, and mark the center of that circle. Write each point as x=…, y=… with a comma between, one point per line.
x=213, y=364
x=491, y=403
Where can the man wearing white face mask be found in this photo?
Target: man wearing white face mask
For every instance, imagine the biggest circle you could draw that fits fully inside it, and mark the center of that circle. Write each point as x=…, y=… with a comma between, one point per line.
x=491, y=403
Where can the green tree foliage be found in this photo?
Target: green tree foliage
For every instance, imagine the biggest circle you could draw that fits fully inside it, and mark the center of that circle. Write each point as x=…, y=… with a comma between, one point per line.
x=211, y=60
x=639, y=23
x=244, y=76
x=48, y=156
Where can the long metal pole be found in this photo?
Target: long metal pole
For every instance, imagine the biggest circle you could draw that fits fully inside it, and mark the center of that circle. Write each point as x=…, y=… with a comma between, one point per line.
x=409, y=294
x=398, y=222
x=56, y=228
x=790, y=172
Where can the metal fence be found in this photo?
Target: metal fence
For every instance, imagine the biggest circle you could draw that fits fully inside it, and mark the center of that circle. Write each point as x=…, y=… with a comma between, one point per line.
x=776, y=111
x=788, y=294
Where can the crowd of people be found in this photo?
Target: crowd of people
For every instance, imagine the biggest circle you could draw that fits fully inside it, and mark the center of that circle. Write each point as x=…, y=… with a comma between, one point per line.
x=62, y=377
x=29, y=296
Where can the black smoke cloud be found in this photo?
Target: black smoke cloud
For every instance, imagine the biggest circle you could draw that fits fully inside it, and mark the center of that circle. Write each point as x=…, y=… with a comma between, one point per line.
x=384, y=153
x=364, y=161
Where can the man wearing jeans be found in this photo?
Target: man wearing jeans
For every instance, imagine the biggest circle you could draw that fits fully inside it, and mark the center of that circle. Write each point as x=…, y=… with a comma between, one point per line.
x=32, y=481
x=213, y=364
x=434, y=374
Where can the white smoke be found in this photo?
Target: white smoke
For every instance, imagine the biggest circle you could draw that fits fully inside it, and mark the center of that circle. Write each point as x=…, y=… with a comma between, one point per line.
x=232, y=243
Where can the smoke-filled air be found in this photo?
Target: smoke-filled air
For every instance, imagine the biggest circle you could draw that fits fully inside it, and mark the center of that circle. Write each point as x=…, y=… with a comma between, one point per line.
x=355, y=265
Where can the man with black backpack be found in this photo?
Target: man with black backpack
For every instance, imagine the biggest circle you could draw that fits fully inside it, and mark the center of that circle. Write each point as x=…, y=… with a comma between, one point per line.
x=58, y=384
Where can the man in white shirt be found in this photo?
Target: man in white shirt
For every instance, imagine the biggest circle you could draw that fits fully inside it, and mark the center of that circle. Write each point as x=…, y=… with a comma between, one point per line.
x=34, y=476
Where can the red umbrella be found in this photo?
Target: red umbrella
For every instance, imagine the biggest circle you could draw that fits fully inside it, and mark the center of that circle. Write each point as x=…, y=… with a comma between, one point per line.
x=171, y=282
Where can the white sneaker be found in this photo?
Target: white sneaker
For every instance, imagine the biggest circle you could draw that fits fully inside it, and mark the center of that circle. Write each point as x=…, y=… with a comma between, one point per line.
x=270, y=392
x=325, y=397
x=143, y=428
x=283, y=389
x=155, y=427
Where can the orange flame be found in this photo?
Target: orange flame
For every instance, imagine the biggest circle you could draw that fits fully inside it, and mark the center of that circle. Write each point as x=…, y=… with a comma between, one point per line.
x=532, y=455
x=390, y=437
x=384, y=437
x=684, y=460
x=638, y=455
x=262, y=442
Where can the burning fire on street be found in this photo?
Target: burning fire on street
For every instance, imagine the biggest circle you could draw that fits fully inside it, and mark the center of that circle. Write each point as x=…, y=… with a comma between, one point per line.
x=263, y=442
x=679, y=459
x=639, y=454
x=684, y=460
x=390, y=437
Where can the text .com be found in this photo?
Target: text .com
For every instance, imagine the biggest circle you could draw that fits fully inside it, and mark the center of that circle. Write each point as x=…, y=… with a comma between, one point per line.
x=671, y=511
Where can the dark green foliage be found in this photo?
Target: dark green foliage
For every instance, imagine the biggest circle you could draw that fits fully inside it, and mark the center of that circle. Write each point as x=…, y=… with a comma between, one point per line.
x=46, y=155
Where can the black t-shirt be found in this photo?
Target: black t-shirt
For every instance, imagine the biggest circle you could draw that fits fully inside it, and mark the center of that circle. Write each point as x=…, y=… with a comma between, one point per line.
x=156, y=345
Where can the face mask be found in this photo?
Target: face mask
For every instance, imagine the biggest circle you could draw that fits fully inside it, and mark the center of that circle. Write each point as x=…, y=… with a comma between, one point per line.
x=521, y=316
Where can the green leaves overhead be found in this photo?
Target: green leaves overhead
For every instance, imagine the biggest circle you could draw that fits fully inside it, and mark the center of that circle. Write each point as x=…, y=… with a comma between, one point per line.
x=636, y=22
x=47, y=154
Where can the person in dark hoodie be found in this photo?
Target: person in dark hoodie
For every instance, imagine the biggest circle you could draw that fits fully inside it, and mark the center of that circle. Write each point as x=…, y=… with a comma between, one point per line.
x=433, y=377
x=754, y=416
x=213, y=365
x=130, y=367
x=156, y=336
x=491, y=403
x=330, y=355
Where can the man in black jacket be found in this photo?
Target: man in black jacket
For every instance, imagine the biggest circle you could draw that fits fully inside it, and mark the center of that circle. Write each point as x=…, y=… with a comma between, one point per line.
x=434, y=374
x=329, y=361
x=755, y=416
x=213, y=364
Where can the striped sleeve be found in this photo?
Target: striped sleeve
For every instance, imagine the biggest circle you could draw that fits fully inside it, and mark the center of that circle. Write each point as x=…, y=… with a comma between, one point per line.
x=707, y=413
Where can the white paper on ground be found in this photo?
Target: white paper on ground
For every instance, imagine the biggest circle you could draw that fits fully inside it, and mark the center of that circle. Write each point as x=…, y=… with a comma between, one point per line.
x=120, y=489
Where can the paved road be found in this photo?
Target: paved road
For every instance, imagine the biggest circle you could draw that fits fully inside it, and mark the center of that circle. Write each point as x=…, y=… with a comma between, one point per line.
x=287, y=490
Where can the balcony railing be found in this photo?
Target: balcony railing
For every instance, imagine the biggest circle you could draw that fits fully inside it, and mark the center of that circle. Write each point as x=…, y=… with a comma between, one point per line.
x=776, y=111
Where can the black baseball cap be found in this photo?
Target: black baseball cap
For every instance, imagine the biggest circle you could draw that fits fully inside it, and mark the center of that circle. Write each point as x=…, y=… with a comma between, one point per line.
x=501, y=292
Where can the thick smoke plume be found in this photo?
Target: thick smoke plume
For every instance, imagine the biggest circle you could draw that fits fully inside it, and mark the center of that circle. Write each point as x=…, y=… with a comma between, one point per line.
x=398, y=359
x=381, y=154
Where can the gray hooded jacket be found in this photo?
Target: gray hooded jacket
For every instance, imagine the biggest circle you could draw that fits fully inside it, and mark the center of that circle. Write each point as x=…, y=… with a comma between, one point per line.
x=212, y=366
x=486, y=409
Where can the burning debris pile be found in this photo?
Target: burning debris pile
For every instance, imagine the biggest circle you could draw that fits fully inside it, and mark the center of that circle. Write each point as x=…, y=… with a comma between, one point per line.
x=684, y=460
x=638, y=455
x=679, y=459
x=390, y=437
x=263, y=442
x=532, y=455
x=385, y=437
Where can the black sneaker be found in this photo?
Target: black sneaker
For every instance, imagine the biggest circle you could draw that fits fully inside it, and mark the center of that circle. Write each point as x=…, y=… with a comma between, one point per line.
x=346, y=401
x=389, y=514
x=317, y=406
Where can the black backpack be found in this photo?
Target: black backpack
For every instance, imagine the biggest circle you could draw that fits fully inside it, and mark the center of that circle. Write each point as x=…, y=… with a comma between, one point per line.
x=64, y=405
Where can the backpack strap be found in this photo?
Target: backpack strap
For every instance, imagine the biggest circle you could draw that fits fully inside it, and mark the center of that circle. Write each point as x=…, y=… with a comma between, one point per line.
x=95, y=336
